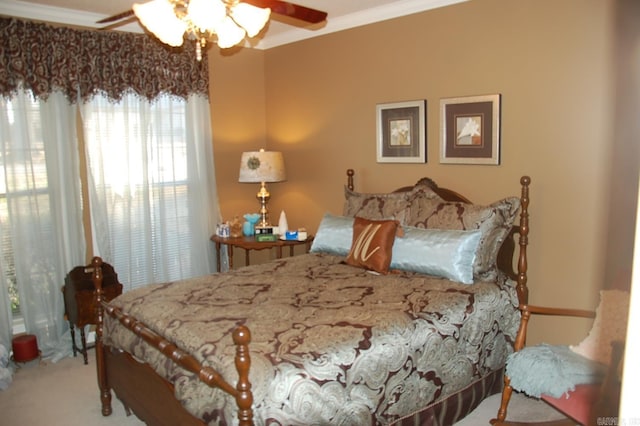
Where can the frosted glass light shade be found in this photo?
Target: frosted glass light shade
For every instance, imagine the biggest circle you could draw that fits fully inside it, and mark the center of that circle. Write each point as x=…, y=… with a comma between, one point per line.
x=159, y=18
x=229, y=21
x=206, y=14
x=262, y=166
x=251, y=18
x=229, y=34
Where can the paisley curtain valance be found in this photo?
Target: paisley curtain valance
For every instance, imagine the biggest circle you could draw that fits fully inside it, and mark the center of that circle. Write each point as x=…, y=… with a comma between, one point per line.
x=81, y=63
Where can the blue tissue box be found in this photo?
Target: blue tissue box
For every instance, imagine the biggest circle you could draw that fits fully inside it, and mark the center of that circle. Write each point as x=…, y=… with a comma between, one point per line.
x=291, y=235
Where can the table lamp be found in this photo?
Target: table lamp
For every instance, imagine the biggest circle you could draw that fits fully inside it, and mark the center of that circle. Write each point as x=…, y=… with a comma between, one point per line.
x=262, y=166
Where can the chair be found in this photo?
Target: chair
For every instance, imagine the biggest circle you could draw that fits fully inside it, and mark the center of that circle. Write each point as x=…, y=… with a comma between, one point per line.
x=80, y=300
x=582, y=381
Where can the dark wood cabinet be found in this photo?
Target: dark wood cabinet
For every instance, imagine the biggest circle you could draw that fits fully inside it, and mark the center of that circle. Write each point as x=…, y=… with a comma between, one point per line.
x=80, y=300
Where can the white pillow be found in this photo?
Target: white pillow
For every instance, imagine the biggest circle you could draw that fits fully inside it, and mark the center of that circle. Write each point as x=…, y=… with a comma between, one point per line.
x=609, y=325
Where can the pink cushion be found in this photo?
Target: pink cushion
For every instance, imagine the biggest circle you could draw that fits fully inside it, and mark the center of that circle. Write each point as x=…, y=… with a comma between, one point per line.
x=577, y=403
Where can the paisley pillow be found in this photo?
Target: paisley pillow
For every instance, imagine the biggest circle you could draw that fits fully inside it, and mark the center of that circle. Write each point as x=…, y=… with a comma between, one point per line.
x=393, y=205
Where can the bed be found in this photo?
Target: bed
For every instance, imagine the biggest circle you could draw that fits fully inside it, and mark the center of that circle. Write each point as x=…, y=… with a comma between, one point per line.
x=415, y=331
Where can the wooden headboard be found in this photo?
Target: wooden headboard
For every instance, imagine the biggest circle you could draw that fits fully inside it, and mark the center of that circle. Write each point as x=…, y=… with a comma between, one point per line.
x=444, y=193
x=507, y=254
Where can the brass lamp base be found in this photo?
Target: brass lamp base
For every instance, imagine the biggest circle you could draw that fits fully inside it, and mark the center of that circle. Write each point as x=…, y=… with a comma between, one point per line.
x=263, y=196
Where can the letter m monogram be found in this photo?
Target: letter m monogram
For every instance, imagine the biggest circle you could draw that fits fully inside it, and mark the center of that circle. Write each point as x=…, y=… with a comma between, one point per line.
x=362, y=249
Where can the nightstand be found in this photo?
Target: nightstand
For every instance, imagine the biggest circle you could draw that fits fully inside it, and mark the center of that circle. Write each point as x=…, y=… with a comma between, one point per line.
x=250, y=243
x=80, y=300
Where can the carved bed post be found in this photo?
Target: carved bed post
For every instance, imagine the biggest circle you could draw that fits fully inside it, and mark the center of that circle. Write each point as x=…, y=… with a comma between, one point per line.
x=105, y=393
x=523, y=295
x=244, y=398
x=523, y=291
x=350, y=174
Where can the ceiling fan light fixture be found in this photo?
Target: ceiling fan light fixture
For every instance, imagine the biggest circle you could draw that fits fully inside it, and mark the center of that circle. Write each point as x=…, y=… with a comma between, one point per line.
x=159, y=17
x=251, y=18
x=229, y=33
x=202, y=21
x=206, y=15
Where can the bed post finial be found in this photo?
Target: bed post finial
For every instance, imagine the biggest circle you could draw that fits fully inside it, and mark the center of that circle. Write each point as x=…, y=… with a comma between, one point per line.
x=523, y=291
x=244, y=398
x=350, y=173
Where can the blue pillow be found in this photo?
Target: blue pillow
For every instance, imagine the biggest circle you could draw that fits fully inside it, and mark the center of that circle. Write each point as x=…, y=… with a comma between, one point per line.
x=334, y=236
x=443, y=253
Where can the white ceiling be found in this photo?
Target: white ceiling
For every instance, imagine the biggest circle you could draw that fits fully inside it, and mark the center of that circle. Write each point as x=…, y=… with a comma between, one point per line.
x=342, y=14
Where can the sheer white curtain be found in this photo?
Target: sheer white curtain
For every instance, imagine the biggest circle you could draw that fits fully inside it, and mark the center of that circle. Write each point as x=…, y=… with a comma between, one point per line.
x=40, y=214
x=152, y=186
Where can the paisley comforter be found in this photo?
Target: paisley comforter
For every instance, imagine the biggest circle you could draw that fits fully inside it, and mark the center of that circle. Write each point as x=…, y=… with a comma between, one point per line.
x=331, y=343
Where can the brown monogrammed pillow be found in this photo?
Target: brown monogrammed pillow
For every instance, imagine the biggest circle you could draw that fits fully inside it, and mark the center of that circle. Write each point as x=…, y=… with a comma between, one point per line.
x=494, y=222
x=372, y=243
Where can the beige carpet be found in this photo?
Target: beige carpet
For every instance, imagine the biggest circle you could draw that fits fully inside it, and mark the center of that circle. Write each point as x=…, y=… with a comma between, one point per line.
x=66, y=393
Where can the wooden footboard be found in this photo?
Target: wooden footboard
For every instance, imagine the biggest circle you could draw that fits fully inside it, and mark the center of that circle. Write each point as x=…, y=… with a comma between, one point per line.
x=143, y=391
x=131, y=379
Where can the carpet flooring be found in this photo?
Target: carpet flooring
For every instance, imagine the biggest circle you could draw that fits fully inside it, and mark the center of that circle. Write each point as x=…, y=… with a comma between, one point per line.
x=66, y=393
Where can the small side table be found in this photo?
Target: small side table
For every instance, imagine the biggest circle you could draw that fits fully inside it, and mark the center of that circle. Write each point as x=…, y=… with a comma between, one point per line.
x=80, y=300
x=250, y=243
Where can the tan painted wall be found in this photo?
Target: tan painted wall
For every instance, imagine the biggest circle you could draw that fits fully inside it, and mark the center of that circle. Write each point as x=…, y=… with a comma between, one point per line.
x=550, y=60
x=237, y=93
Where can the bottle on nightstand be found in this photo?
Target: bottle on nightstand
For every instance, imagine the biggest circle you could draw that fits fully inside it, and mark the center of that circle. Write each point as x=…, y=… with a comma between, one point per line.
x=283, y=226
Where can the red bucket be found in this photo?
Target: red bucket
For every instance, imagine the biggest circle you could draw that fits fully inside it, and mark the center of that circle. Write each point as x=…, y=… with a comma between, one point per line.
x=25, y=348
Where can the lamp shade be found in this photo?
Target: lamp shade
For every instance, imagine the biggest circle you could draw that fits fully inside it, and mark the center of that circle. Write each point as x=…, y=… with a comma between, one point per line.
x=262, y=166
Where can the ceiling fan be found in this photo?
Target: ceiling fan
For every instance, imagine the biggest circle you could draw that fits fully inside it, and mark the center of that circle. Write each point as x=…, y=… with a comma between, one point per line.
x=228, y=21
x=284, y=8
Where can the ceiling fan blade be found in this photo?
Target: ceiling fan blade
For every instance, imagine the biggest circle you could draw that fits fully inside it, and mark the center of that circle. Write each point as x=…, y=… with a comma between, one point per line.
x=117, y=17
x=279, y=7
x=292, y=10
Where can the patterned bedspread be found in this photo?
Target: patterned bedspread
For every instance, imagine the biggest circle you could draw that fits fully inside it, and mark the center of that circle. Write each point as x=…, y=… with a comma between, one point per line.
x=331, y=343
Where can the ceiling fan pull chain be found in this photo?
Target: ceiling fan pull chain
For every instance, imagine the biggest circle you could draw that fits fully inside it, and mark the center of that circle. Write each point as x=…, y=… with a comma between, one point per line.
x=199, y=47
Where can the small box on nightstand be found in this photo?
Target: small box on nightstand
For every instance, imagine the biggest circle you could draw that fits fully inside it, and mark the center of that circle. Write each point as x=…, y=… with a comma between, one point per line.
x=266, y=238
x=262, y=230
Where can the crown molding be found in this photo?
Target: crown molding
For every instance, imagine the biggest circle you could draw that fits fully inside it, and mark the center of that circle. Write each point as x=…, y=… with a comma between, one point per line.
x=357, y=19
x=41, y=12
x=60, y=15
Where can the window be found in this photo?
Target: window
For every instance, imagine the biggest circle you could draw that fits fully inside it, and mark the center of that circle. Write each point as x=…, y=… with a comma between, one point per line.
x=150, y=200
x=143, y=190
x=145, y=202
x=23, y=182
